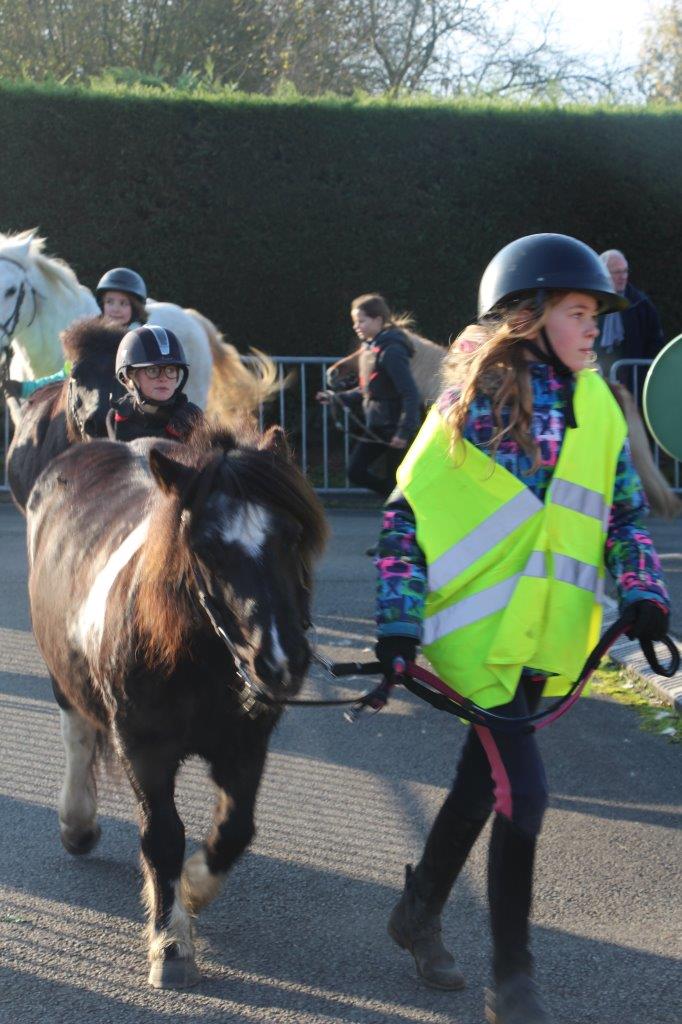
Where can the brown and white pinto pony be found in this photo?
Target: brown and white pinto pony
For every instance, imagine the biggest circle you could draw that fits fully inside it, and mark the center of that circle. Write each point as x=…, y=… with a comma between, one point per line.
x=116, y=533
x=58, y=415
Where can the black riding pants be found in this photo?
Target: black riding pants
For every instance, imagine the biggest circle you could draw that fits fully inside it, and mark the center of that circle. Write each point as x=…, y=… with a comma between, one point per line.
x=503, y=772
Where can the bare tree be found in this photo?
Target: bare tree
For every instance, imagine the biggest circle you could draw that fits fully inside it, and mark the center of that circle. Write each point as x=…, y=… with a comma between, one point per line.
x=659, y=73
x=389, y=47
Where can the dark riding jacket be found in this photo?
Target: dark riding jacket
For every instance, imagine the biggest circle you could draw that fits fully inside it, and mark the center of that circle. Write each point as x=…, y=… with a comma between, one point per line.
x=126, y=421
x=390, y=399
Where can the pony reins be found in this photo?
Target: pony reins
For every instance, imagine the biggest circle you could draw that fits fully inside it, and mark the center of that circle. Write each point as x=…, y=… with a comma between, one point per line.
x=425, y=684
x=10, y=324
x=368, y=435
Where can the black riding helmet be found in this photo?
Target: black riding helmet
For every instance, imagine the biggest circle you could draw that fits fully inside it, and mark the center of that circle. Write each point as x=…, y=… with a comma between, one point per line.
x=150, y=346
x=121, y=279
x=536, y=264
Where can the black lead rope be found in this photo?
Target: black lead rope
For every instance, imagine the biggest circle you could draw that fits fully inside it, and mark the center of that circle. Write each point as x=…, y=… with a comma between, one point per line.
x=424, y=684
x=253, y=694
x=367, y=435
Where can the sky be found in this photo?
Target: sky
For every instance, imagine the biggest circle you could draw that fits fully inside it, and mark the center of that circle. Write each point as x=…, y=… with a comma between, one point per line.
x=593, y=26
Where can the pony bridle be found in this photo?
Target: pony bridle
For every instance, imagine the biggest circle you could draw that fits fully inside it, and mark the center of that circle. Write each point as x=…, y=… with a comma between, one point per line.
x=252, y=692
x=9, y=326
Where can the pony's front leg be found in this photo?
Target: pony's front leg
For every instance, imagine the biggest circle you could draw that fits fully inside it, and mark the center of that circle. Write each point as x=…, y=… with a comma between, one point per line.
x=162, y=836
x=233, y=829
x=78, y=826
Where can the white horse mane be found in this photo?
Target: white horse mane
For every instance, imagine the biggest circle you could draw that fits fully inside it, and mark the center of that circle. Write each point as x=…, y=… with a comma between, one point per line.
x=57, y=273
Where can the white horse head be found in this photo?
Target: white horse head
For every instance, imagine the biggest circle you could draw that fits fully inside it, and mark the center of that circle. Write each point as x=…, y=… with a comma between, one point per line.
x=39, y=297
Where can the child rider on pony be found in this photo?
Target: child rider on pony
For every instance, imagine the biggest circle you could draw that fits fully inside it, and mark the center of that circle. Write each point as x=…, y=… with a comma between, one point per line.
x=121, y=295
x=152, y=367
x=515, y=495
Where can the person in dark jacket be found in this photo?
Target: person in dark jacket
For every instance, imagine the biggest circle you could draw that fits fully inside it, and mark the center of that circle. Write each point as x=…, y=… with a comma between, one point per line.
x=151, y=366
x=634, y=333
x=387, y=391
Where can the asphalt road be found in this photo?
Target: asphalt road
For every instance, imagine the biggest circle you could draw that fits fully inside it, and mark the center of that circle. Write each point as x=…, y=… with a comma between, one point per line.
x=299, y=932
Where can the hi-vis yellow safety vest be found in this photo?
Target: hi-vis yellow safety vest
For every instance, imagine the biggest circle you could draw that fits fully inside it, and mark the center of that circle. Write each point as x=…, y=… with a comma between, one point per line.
x=514, y=582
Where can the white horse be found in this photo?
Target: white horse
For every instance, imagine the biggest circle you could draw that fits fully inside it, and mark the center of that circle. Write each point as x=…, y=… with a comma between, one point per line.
x=40, y=296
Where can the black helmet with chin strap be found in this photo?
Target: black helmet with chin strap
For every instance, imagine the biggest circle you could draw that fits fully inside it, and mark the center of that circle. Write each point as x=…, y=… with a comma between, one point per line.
x=150, y=346
x=536, y=264
x=121, y=279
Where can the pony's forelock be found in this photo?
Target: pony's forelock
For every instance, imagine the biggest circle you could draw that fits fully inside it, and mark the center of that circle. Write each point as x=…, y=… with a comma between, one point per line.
x=241, y=469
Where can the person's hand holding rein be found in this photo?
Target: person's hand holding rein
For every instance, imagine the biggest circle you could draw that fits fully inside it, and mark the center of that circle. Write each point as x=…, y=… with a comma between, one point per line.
x=651, y=622
x=397, y=442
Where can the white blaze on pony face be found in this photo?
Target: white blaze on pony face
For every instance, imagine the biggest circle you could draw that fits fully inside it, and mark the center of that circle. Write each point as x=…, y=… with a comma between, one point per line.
x=90, y=622
x=245, y=524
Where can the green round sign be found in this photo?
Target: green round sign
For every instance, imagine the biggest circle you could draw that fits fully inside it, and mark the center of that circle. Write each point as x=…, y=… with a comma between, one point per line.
x=662, y=398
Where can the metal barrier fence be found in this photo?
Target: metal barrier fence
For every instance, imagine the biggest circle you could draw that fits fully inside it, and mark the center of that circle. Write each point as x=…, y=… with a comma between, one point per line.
x=322, y=442
x=631, y=373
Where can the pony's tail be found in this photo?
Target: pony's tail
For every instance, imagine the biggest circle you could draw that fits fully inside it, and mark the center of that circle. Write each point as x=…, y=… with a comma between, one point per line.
x=663, y=500
x=236, y=390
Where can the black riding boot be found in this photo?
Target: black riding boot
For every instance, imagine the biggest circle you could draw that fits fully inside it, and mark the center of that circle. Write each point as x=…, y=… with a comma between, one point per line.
x=415, y=923
x=510, y=888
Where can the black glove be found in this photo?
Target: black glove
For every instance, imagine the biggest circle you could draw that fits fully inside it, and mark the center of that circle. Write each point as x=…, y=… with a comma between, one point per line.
x=652, y=621
x=12, y=388
x=389, y=647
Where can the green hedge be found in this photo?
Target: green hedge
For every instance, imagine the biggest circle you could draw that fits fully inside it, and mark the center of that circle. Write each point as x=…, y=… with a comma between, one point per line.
x=270, y=215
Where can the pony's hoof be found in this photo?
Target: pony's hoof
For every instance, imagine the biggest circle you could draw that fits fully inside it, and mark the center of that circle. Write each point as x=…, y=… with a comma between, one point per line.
x=174, y=974
x=79, y=843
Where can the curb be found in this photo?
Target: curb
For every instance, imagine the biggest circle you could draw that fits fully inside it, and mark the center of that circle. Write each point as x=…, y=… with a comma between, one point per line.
x=628, y=653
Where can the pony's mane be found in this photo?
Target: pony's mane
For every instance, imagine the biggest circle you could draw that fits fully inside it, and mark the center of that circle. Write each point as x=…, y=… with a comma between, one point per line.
x=56, y=271
x=98, y=462
x=250, y=470
x=92, y=337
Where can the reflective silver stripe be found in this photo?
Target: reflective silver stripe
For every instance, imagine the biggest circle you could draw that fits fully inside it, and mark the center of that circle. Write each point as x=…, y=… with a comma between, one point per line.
x=470, y=610
x=578, y=574
x=579, y=499
x=482, y=538
x=536, y=566
x=161, y=337
x=479, y=606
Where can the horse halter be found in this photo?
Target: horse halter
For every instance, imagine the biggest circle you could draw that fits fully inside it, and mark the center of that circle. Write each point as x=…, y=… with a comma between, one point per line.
x=9, y=326
x=255, y=699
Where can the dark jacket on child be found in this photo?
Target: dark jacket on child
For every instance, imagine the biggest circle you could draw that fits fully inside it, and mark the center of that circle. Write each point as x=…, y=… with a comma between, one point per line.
x=390, y=399
x=126, y=421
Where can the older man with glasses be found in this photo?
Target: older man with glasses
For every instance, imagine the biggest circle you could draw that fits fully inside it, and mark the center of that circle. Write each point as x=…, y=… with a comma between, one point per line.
x=634, y=333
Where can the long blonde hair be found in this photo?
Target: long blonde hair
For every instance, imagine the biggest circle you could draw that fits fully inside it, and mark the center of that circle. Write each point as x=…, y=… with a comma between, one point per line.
x=498, y=368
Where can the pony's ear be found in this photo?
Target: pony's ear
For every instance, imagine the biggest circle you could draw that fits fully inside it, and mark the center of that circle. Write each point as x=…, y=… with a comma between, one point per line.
x=275, y=440
x=20, y=248
x=171, y=476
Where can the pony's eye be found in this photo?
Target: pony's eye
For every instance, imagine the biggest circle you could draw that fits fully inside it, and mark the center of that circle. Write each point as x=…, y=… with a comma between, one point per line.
x=10, y=292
